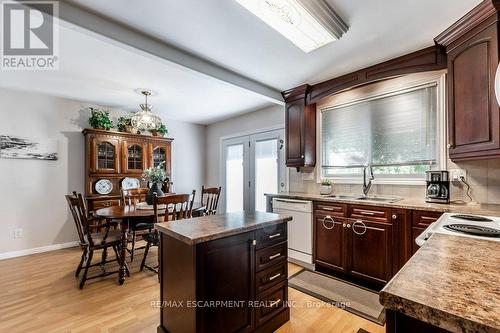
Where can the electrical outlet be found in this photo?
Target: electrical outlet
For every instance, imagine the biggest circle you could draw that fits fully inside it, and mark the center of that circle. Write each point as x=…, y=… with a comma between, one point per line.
x=18, y=233
x=457, y=174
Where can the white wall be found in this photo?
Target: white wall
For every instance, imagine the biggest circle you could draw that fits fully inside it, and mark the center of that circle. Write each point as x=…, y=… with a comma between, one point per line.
x=250, y=122
x=33, y=191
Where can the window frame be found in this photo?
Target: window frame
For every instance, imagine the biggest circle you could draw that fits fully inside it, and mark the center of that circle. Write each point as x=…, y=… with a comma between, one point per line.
x=378, y=89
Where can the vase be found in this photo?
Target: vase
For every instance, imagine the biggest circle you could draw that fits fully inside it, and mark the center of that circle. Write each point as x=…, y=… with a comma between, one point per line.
x=326, y=189
x=155, y=188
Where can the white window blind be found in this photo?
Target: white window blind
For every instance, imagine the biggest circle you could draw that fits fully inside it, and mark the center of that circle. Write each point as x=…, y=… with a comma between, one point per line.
x=396, y=133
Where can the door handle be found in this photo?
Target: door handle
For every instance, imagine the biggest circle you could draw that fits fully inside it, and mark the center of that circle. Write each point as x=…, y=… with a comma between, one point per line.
x=274, y=256
x=274, y=277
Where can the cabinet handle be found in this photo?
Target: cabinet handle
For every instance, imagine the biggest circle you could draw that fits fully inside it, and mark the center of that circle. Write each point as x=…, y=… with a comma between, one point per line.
x=348, y=225
x=328, y=209
x=274, y=256
x=274, y=277
x=356, y=223
x=274, y=303
x=450, y=146
x=394, y=216
x=364, y=212
x=344, y=225
x=274, y=236
x=106, y=204
x=301, y=156
x=328, y=217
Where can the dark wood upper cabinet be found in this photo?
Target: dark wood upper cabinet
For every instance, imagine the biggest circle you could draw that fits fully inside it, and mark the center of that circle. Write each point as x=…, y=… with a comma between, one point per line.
x=300, y=127
x=473, y=111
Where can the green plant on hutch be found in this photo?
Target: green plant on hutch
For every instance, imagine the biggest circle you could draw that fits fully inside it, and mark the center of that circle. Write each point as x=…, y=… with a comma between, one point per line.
x=124, y=124
x=99, y=119
x=160, y=131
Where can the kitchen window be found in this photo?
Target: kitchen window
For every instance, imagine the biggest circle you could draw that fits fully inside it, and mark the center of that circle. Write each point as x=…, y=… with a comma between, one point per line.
x=396, y=131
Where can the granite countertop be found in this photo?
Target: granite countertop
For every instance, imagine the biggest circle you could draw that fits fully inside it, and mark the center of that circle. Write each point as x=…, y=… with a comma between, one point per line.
x=207, y=228
x=406, y=203
x=451, y=282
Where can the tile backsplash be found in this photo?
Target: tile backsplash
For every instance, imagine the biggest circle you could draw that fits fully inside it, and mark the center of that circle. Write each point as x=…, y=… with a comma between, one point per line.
x=483, y=176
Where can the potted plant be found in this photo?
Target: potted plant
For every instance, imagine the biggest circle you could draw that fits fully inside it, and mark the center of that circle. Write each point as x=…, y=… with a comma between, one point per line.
x=125, y=125
x=160, y=131
x=155, y=176
x=326, y=187
x=99, y=119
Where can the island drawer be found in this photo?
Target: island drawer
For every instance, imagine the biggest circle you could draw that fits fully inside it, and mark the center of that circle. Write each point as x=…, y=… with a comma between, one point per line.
x=370, y=213
x=270, y=303
x=271, y=235
x=423, y=219
x=271, y=255
x=330, y=208
x=271, y=276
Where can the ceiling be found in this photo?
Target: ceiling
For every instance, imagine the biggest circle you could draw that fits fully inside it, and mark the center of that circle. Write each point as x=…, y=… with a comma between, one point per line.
x=97, y=69
x=226, y=33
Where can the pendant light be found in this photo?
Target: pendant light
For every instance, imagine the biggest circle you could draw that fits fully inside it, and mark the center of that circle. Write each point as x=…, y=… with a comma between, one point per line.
x=145, y=119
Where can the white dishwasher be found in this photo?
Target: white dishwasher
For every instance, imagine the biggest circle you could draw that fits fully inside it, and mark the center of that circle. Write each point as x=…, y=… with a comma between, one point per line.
x=299, y=229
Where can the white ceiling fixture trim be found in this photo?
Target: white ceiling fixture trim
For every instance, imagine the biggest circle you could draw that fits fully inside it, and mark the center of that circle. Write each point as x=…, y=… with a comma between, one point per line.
x=309, y=24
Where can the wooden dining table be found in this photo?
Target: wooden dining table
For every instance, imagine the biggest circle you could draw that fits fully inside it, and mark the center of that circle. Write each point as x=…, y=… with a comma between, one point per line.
x=128, y=216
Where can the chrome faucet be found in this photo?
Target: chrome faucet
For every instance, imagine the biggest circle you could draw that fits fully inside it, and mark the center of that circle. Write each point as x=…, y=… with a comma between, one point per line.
x=367, y=185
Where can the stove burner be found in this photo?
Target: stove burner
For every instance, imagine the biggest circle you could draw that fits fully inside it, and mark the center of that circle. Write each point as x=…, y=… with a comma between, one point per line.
x=473, y=230
x=472, y=218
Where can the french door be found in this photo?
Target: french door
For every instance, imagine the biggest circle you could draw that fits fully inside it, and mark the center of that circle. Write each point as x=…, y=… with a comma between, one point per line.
x=251, y=166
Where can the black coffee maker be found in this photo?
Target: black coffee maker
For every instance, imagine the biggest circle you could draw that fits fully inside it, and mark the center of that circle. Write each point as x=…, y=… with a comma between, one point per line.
x=438, y=187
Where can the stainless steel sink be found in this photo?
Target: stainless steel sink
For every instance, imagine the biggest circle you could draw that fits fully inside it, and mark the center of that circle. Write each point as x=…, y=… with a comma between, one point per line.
x=380, y=199
x=344, y=197
x=362, y=198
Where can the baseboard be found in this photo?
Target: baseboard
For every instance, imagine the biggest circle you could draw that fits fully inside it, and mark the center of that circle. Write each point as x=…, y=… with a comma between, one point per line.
x=14, y=254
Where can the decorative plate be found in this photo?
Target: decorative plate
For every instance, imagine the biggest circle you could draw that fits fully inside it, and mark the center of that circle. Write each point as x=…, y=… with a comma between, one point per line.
x=104, y=186
x=130, y=183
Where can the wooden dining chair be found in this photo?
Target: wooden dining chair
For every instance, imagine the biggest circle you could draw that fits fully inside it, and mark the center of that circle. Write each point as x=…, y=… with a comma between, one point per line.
x=210, y=199
x=177, y=207
x=92, y=241
x=132, y=197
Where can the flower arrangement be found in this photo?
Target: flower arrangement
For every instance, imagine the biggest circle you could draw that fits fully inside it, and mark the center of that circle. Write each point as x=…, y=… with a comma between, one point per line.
x=99, y=119
x=155, y=174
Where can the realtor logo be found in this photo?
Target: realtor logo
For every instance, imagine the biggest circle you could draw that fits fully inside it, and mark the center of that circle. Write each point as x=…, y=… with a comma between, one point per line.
x=29, y=35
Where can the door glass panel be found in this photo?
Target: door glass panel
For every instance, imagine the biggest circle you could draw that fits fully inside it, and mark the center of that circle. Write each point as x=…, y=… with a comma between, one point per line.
x=266, y=171
x=105, y=155
x=234, y=178
x=135, y=157
x=159, y=156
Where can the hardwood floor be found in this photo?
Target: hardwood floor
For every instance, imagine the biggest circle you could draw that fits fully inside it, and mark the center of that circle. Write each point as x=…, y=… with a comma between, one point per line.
x=39, y=293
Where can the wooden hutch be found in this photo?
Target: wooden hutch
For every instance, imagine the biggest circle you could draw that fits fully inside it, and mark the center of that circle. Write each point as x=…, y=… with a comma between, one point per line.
x=114, y=156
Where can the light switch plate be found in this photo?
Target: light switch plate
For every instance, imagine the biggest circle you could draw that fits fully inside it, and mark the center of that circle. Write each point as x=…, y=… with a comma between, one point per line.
x=456, y=174
x=18, y=233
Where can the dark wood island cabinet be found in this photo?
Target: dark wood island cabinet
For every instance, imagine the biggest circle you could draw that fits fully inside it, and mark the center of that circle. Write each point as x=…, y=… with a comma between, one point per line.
x=224, y=273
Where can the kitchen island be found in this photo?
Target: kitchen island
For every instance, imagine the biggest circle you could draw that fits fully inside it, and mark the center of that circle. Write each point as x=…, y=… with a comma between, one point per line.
x=450, y=285
x=224, y=273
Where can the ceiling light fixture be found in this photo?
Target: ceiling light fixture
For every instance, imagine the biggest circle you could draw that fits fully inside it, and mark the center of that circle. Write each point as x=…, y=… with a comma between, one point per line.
x=145, y=119
x=309, y=24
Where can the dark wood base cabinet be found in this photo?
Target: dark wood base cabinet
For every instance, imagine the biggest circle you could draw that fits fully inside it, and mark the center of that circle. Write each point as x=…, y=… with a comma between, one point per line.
x=233, y=284
x=365, y=244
